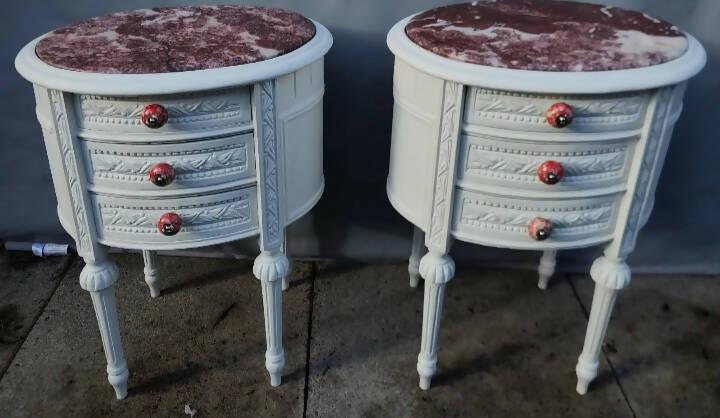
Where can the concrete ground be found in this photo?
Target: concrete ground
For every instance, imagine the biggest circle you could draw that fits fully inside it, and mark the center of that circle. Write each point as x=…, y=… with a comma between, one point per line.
x=351, y=337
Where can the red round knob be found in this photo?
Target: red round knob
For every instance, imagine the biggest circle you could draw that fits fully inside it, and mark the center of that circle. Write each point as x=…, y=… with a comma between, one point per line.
x=550, y=172
x=154, y=116
x=169, y=224
x=162, y=174
x=540, y=228
x=559, y=115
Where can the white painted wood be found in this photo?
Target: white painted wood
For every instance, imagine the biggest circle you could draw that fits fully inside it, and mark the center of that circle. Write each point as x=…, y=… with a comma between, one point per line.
x=246, y=145
x=491, y=163
x=436, y=269
x=482, y=167
x=285, y=250
x=418, y=250
x=198, y=164
x=552, y=82
x=488, y=219
x=151, y=272
x=546, y=268
x=37, y=72
x=98, y=277
x=197, y=114
x=271, y=266
x=210, y=218
x=609, y=275
x=591, y=113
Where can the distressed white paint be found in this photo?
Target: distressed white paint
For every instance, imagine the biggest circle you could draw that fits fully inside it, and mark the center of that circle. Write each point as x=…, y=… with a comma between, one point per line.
x=483, y=166
x=246, y=144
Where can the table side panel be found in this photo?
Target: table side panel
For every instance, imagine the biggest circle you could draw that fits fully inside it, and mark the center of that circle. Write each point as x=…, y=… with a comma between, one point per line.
x=413, y=153
x=299, y=107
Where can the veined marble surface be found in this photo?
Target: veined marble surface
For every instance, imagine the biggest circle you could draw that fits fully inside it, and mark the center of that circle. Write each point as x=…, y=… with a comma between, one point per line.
x=175, y=39
x=546, y=35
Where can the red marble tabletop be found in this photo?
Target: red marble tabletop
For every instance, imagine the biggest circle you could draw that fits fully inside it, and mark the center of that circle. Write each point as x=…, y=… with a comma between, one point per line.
x=546, y=35
x=164, y=40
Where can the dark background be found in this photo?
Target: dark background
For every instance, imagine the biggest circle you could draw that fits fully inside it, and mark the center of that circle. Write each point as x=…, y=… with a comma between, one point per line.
x=354, y=218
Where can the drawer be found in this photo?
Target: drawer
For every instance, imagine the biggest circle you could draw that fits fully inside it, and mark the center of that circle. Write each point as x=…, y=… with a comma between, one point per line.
x=526, y=112
x=487, y=161
x=207, y=219
x=199, y=113
x=503, y=221
x=121, y=168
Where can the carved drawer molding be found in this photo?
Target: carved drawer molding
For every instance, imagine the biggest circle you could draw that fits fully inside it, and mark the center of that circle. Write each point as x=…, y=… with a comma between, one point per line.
x=125, y=167
x=202, y=112
x=488, y=160
x=485, y=218
x=526, y=111
x=125, y=222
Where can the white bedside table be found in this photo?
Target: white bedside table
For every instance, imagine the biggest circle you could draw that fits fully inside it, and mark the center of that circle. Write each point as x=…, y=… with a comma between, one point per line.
x=523, y=125
x=178, y=128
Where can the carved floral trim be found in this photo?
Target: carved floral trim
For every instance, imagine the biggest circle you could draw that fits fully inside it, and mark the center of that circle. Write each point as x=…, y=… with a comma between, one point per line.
x=83, y=240
x=644, y=180
x=445, y=164
x=270, y=202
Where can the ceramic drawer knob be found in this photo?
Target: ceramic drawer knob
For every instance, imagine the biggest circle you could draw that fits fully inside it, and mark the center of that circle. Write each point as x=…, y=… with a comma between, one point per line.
x=154, y=116
x=540, y=228
x=559, y=115
x=162, y=174
x=169, y=224
x=550, y=172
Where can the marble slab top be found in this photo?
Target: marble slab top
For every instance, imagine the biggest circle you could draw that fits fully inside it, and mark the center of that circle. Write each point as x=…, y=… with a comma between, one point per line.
x=164, y=40
x=546, y=35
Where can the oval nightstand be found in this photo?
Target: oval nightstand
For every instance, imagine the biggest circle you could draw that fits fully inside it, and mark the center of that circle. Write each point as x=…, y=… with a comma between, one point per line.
x=511, y=131
x=156, y=144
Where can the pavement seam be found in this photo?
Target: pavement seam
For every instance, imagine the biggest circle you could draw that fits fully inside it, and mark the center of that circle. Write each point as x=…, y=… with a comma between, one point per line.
x=603, y=349
x=58, y=275
x=306, y=388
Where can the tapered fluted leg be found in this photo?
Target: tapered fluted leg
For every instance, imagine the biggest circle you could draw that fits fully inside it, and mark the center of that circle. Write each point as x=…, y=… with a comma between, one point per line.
x=437, y=269
x=99, y=279
x=151, y=273
x=610, y=275
x=418, y=249
x=546, y=268
x=284, y=248
x=270, y=267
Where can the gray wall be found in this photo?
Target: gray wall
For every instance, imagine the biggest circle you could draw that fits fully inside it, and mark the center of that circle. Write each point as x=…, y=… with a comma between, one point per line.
x=354, y=218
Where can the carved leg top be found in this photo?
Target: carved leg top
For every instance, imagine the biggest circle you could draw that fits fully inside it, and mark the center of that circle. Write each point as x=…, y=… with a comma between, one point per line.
x=270, y=266
x=436, y=267
x=610, y=272
x=95, y=277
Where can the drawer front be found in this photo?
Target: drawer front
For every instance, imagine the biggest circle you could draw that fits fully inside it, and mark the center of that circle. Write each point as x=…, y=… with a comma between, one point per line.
x=206, y=220
x=503, y=222
x=118, y=168
x=486, y=160
x=187, y=113
x=527, y=112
